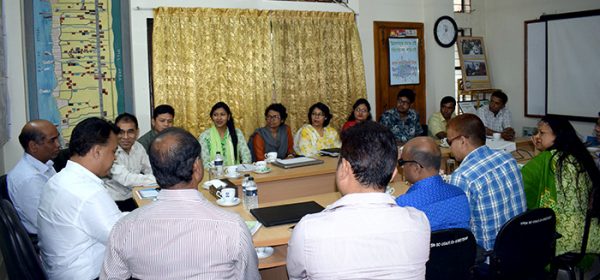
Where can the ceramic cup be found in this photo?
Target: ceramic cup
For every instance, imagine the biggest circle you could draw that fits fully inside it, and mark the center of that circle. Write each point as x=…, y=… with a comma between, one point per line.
x=496, y=135
x=226, y=194
x=232, y=171
x=270, y=157
x=261, y=165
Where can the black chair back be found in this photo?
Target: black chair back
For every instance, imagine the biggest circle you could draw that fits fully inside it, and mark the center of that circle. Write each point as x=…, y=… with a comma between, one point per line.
x=451, y=255
x=4, y=188
x=22, y=262
x=525, y=245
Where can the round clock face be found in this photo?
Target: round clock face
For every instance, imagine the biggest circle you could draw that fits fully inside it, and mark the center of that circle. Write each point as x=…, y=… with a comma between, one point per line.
x=445, y=31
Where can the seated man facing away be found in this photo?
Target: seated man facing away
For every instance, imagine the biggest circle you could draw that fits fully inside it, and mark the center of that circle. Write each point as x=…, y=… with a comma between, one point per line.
x=39, y=139
x=181, y=235
x=364, y=234
x=445, y=205
x=131, y=167
x=491, y=179
x=496, y=117
x=76, y=212
x=438, y=122
x=402, y=120
x=162, y=118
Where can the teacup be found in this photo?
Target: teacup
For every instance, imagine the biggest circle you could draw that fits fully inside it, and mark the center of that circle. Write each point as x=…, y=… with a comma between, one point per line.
x=261, y=165
x=232, y=171
x=226, y=194
x=496, y=135
x=270, y=157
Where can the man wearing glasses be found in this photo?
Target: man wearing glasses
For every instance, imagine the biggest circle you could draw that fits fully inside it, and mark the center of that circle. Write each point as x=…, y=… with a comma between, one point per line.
x=402, y=120
x=491, y=179
x=445, y=205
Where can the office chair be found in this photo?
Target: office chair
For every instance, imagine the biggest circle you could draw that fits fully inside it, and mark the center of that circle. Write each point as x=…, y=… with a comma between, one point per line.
x=524, y=246
x=451, y=255
x=20, y=257
x=4, y=188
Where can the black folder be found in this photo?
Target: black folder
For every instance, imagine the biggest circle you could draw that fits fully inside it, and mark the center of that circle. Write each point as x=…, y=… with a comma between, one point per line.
x=285, y=214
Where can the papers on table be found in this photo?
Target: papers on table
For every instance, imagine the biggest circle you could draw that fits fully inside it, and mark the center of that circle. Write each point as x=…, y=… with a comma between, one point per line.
x=253, y=226
x=499, y=144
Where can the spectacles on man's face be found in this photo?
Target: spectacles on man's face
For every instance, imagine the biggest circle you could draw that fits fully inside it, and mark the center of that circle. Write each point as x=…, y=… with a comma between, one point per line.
x=450, y=140
x=402, y=162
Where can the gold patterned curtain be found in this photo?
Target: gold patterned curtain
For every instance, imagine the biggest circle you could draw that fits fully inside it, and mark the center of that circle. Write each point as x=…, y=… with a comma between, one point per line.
x=203, y=56
x=317, y=57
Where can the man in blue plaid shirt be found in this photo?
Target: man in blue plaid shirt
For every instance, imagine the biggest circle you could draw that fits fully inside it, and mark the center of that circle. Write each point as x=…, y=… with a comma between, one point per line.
x=491, y=179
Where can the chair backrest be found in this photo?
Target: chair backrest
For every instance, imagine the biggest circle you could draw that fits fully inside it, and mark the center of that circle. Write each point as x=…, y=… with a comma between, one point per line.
x=22, y=262
x=525, y=245
x=4, y=188
x=451, y=255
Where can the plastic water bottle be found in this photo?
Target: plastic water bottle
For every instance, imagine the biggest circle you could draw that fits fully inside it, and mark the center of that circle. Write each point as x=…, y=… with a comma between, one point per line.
x=244, y=183
x=251, y=194
x=219, y=164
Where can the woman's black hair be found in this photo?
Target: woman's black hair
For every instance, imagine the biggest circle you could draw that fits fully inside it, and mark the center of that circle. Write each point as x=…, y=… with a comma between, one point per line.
x=325, y=111
x=358, y=103
x=230, y=125
x=279, y=108
x=569, y=144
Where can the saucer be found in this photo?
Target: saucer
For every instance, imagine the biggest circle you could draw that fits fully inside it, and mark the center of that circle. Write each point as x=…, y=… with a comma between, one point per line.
x=237, y=175
x=262, y=171
x=235, y=202
x=264, y=252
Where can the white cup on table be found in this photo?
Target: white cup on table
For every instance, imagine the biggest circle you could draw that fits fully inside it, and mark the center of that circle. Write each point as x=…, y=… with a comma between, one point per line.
x=232, y=171
x=271, y=156
x=496, y=135
x=226, y=195
x=260, y=165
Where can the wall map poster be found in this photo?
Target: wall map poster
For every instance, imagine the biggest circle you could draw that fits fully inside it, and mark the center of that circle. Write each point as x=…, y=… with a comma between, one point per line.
x=74, y=61
x=404, y=61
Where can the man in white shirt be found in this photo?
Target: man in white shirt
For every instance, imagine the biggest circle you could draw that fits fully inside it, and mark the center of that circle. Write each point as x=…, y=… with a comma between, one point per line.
x=364, y=234
x=181, y=235
x=76, y=213
x=39, y=139
x=496, y=117
x=131, y=167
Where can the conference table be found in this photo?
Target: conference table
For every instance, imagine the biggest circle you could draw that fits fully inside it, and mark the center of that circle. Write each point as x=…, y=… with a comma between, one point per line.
x=308, y=183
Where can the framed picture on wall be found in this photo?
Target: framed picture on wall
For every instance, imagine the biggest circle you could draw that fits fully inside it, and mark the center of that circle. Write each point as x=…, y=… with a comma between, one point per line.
x=473, y=63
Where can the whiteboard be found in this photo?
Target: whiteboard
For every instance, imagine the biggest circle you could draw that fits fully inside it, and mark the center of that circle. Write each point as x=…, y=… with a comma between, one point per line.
x=536, y=69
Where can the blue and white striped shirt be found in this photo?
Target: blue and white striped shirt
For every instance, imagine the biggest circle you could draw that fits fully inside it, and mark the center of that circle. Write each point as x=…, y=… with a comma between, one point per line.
x=494, y=186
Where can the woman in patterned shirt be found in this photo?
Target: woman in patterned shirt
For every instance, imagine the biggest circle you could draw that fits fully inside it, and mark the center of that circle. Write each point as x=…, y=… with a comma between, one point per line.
x=562, y=177
x=317, y=135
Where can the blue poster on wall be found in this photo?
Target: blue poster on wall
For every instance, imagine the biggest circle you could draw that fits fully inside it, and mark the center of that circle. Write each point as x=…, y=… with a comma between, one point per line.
x=404, y=61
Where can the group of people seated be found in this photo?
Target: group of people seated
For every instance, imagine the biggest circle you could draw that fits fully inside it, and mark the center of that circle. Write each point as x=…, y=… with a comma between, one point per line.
x=81, y=214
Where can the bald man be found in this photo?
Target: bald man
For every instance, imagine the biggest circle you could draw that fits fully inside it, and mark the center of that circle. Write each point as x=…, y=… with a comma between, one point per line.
x=39, y=139
x=446, y=206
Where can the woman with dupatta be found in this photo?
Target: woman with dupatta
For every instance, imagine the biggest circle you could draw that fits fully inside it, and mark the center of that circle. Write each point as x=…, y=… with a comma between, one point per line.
x=275, y=136
x=224, y=138
x=317, y=135
x=562, y=177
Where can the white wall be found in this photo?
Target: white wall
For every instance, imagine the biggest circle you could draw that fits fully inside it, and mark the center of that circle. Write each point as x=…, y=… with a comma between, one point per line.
x=504, y=39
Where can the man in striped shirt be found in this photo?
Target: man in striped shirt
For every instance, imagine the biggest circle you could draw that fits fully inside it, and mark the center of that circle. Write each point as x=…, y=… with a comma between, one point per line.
x=491, y=180
x=181, y=235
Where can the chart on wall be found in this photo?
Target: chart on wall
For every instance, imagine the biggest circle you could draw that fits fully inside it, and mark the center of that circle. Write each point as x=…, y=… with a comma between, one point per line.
x=74, y=59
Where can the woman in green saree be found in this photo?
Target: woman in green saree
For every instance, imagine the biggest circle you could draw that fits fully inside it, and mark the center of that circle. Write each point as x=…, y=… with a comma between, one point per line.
x=562, y=177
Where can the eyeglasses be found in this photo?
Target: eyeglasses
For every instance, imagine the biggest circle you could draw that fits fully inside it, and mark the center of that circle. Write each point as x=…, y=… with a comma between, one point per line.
x=317, y=115
x=403, y=102
x=360, y=111
x=402, y=162
x=449, y=141
x=275, y=117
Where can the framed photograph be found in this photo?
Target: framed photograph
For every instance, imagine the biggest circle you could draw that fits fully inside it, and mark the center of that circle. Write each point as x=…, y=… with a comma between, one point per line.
x=473, y=63
x=404, y=61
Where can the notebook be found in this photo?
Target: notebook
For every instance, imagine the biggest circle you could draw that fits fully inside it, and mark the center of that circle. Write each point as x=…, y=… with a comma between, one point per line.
x=296, y=162
x=285, y=214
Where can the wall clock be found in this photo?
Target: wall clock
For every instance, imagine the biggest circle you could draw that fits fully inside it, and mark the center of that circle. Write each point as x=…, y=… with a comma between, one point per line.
x=445, y=31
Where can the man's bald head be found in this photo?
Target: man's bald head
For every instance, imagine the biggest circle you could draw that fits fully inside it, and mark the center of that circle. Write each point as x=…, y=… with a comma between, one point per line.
x=39, y=138
x=173, y=154
x=424, y=151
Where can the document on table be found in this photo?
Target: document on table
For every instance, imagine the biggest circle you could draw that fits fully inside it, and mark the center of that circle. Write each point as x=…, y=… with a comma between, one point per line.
x=253, y=226
x=148, y=193
x=500, y=144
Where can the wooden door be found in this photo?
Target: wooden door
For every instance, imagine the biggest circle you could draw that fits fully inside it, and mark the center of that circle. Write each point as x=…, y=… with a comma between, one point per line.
x=385, y=92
